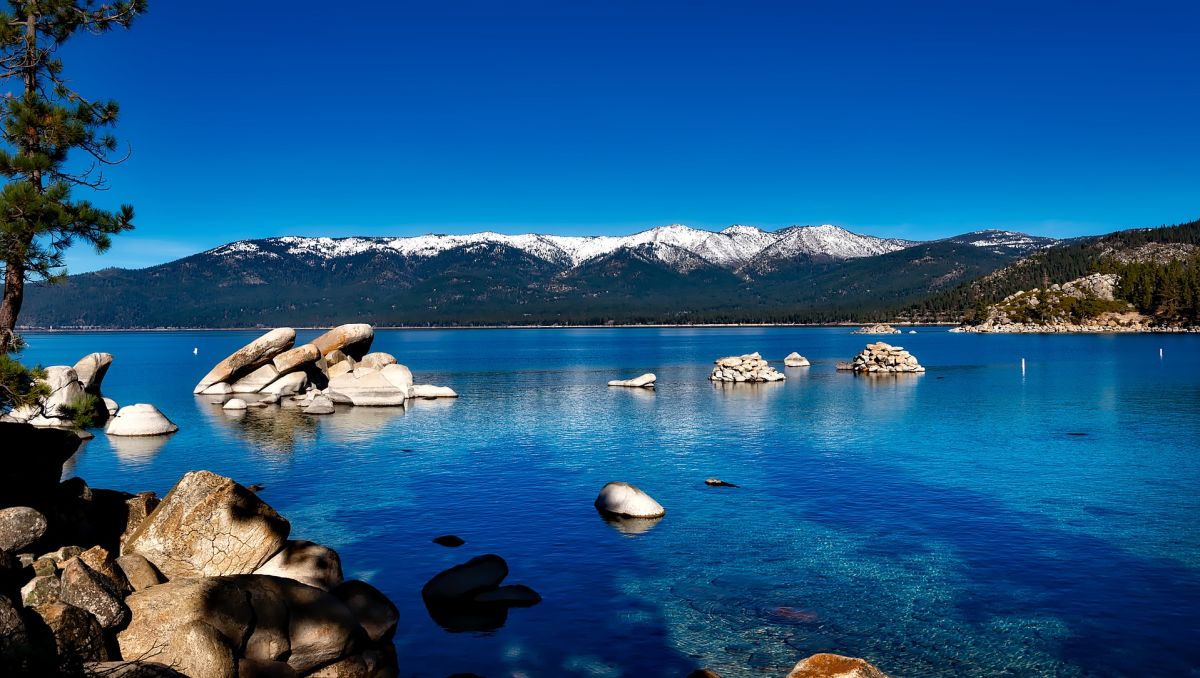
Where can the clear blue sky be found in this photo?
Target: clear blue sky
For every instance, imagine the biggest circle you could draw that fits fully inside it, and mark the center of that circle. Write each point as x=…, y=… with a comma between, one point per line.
x=909, y=119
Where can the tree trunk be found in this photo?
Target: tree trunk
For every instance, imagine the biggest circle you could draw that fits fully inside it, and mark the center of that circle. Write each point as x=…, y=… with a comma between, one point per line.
x=10, y=305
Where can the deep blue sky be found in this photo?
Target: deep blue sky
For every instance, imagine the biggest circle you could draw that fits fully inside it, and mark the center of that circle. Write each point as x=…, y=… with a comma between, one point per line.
x=918, y=120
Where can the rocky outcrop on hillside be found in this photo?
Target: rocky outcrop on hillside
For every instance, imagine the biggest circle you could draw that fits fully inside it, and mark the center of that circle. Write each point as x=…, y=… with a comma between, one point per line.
x=749, y=368
x=1086, y=304
x=334, y=368
x=205, y=583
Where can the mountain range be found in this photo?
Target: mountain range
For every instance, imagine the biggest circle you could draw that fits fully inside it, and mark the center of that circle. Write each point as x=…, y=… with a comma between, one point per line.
x=669, y=274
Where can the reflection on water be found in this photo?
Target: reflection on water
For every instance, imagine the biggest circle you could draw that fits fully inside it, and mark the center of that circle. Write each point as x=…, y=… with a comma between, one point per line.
x=137, y=450
x=350, y=424
x=629, y=526
x=270, y=430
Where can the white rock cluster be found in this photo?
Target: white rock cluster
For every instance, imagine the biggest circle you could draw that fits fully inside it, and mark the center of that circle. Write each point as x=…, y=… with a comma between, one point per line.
x=749, y=368
x=334, y=368
x=69, y=386
x=884, y=358
x=876, y=329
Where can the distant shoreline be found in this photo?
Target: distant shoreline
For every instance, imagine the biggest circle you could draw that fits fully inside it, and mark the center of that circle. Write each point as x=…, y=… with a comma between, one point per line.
x=69, y=330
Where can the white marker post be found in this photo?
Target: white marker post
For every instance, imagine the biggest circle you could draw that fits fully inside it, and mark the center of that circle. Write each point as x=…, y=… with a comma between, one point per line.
x=1022, y=367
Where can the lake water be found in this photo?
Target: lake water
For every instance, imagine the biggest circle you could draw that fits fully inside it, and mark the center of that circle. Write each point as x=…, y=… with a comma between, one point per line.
x=971, y=521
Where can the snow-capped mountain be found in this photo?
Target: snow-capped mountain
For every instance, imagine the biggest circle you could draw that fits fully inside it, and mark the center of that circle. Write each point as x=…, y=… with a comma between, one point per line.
x=731, y=248
x=1004, y=242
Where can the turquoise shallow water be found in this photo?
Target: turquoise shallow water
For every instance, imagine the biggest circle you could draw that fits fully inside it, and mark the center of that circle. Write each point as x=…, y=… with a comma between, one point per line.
x=971, y=521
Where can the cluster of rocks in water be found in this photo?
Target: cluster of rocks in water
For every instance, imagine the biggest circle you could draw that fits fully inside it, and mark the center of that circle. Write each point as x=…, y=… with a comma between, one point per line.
x=881, y=358
x=74, y=393
x=335, y=368
x=745, y=368
x=206, y=582
x=879, y=328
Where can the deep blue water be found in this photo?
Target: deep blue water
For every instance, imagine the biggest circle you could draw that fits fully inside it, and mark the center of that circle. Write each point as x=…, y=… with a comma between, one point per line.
x=971, y=521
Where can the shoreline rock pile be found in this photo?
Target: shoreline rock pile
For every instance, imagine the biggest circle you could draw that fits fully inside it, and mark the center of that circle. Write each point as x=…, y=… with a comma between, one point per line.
x=794, y=359
x=881, y=358
x=334, y=368
x=645, y=381
x=749, y=368
x=879, y=328
x=206, y=582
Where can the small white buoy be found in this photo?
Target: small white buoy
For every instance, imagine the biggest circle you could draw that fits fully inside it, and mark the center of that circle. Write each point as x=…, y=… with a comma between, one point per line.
x=1022, y=367
x=196, y=351
x=1160, y=354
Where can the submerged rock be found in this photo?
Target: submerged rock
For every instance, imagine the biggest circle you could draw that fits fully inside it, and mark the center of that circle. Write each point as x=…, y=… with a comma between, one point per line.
x=449, y=540
x=827, y=665
x=717, y=482
x=463, y=582
x=623, y=499
x=141, y=419
x=645, y=381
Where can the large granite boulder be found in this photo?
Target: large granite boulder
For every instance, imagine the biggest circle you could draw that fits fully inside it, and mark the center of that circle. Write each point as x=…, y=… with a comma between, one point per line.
x=20, y=526
x=296, y=358
x=33, y=460
x=377, y=360
x=376, y=614
x=313, y=564
x=255, y=380
x=366, y=387
x=827, y=665
x=209, y=525
x=138, y=571
x=794, y=359
x=625, y=500
x=353, y=340
x=91, y=369
x=140, y=419
x=216, y=620
x=249, y=357
x=289, y=384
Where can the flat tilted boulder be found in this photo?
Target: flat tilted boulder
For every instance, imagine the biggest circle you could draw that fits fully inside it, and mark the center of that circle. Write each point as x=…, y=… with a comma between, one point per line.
x=249, y=357
x=209, y=525
x=289, y=384
x=296, y=358
x=353, y=340
x=827, y=665
x=645, y=381
x=623, y=499
x=255, y=379
x=91, y=369
x=368, y=387
x=431, y=391
x=141, y=419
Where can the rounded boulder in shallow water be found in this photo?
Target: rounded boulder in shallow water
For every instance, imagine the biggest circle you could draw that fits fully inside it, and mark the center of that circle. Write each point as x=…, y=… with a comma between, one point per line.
x=20, y=526
x=623, y=499
x=827, y=665
x=463, y=582
x=140, y=419
x=234, y=404
x=449, y=540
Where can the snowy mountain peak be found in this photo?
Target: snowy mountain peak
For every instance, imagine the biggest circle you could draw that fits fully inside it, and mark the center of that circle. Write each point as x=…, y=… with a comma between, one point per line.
x=732, y=248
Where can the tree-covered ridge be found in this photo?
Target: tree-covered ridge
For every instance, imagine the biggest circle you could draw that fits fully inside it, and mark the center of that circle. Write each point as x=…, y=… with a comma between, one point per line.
x=1146, y=250
x=1168, y=292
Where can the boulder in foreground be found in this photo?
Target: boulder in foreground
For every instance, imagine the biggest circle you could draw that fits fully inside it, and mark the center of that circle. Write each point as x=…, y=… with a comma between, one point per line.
x=209, y=525
x=623, y=499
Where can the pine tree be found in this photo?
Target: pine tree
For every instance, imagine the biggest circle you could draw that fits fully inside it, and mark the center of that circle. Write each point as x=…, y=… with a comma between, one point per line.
x=39, y=217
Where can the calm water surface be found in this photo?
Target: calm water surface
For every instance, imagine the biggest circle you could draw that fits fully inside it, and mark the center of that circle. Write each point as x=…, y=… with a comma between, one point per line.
x=972, y=521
